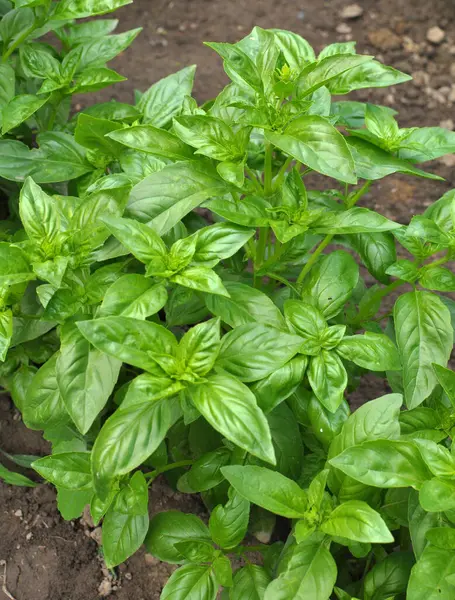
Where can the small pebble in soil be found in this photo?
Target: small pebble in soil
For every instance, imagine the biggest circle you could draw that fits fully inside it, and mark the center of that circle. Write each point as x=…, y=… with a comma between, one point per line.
x=384, y=39
x=29, y=536
x=352, y=11
x=128, y=576
x=301, y=15
x=18, y=513
x=436, y=35
x=343, y=28
x=105, y=588
x=447, y=124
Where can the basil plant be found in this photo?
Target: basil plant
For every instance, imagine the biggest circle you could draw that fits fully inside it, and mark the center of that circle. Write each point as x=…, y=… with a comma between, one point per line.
x=178, y=300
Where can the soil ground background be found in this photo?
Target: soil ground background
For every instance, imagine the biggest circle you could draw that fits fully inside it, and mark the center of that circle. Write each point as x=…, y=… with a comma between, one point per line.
x=50, y=559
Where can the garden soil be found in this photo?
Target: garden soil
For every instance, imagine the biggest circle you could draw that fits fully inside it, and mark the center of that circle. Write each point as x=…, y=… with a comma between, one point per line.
x=47, y=558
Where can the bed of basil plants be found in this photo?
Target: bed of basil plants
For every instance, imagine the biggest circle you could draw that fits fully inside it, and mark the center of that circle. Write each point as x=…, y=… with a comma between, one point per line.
x=176, y=300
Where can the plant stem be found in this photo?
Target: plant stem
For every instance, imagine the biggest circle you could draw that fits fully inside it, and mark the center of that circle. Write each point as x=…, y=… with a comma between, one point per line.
x=313, y=258
x=282, y=172
x=268, y=170
x=360, y=192
x=253, y=178
x=17, y=43
x=154, y=474
x=283, y=280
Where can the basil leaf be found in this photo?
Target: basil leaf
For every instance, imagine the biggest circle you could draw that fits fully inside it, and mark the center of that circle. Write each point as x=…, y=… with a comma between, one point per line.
x=328, y=379
x=228, y=524
x=70, y=470
x=357, y=521
x=231, y=408
x=372, y=351
x=122, y=536
x=384, y=463
x=268, y=489
x=250, y=582
x=251, y=352
x=437, y=495
x=389, y=577
x=168, y=529
x=429, y=576
x=133, y=296
x=313, y=141
x=191, y=582
x=424, y=335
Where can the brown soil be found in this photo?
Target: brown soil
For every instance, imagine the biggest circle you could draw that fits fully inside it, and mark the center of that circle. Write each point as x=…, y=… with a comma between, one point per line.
x=59, y=560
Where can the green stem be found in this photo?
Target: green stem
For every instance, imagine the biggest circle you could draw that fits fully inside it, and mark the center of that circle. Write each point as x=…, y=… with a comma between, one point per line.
x=7, y=53
x=253, y=178
x=268, y=170
x=154, y=474
x=313, y=258
x=281, y=173
x=284, y=281
x=360, y=192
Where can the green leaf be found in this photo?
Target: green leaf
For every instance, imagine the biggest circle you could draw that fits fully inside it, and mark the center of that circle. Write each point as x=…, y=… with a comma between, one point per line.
x=244, y=305
x=141, y=241
x=442, y=537
x=438, y=458
x=6, y=332
x=70, y=470
x=133, y=498
x=168, y=529
x=331, y=283
x=328, y=379
x=129, y=436
x=196, y=551
x=164, y=198
x=420, y=522
x=326, y=70
x=199, y=347
x=58, y=158
x=296, y=50
x=12, y=478
x=446, y=379
x=357, y=521
x=210, y=136
x=373, y=351
x=164, y=99
x=101, y=50
x=268, y=489
x=86, y=377
x=313, y=141
x=90, y=132
x=231, y=408
x=38, y=61
x=377, y=252
x=130, y=340
x=7, y=85
x=427, y=143
x=16, y=25
x=39, y=214
x=389, y=577
x=429, y=576
x=202, y=279
x=439, y=279
x=78, y=9
x=71, y=503
x=219, y=241
x=251, y=352
x=437, y=495
x=279, y=385
x=95, y=79
x=157, y=142
x=133, y=296
x=19, y=109
x=371, y=162
x=122, y=536
x=369, y=74
x=205, y=473
x=404, y=270
x=384, y=463
x=310, y=573
x=238, y=65
x=43, y=406
x=353, y=220
x=229, y=523
x=191, y=582
x=250, y=582
x=424, y=335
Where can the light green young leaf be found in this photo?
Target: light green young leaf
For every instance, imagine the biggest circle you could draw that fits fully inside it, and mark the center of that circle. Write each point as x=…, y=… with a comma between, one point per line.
x=152, y=140
x=202, y=279
x=79, y=9
x=122, y=536
x=357, y=521
x=191, y=582
x=328, y=379
x=429, y=576
x=6, y=332
x=69, y=470
x=135, y=296
x=199, y=347
x=373, y=351
x=353, y=220
x=19, y=109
